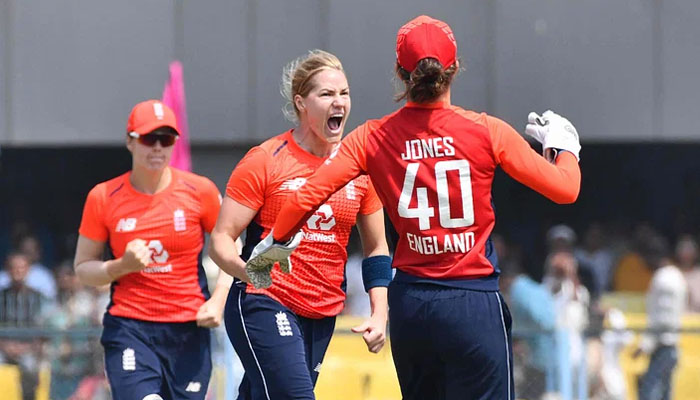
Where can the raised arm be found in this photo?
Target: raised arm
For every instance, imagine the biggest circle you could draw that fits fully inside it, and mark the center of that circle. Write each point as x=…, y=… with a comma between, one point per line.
x=89, y=266
x=93, y=271
x=344, y=165
x=559, y=181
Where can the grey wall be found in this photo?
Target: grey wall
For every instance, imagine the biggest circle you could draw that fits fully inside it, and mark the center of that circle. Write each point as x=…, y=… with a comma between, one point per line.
x=70, y=71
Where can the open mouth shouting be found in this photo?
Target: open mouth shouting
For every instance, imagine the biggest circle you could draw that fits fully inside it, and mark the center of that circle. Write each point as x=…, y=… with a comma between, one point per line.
x=335, y=123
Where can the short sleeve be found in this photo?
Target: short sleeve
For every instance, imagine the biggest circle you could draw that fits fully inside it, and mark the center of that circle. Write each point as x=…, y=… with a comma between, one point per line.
x=92, y=225
x=211, y=203
x=370, y=201
x=249, y=179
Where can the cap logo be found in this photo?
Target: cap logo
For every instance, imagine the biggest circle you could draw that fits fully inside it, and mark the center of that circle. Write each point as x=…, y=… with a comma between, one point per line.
x=158, y=110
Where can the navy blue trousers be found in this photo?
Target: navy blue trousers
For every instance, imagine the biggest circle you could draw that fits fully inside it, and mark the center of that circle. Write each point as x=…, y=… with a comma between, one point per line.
x=280, y=351
x=450, y=343
x=144, y=358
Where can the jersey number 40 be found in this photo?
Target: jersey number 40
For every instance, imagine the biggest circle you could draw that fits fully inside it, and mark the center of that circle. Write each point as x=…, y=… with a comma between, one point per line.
x=424, y=211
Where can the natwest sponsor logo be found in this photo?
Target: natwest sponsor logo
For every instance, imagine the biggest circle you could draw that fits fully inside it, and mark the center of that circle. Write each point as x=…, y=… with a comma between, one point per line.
x=322, y=219
x=319, y=237
x=159, y=256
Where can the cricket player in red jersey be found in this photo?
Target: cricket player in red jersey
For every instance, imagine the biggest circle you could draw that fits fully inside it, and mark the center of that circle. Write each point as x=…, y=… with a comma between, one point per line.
x=153, y=218
x=280, y=324
x=432, y=164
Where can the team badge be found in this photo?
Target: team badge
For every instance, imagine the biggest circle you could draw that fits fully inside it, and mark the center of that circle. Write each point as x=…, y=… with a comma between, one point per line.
x=179, y=220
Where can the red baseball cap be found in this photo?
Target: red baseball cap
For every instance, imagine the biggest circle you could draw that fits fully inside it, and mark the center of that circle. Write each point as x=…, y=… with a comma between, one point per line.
x=150, y=115
x=425, y=37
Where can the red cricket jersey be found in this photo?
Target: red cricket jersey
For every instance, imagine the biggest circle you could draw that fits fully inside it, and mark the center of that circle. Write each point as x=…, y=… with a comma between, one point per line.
x=262, y=181
x=432, y=166
x=172, y=222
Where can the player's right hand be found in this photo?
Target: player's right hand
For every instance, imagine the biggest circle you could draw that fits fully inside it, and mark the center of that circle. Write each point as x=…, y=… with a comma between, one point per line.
x=554, y=132
x=373, y=332
x=136, y=256
x=265, y=255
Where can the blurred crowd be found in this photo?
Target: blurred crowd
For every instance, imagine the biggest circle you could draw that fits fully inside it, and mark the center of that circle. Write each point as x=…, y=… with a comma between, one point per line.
x=37, y=297
x=567, y=340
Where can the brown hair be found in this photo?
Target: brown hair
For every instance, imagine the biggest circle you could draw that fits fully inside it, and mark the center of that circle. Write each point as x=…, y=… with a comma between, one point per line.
x=427, y=82
x=297, y=75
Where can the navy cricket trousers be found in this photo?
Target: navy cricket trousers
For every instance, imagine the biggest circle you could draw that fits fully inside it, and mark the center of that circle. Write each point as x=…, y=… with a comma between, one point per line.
x=156, y=360
x=280, y=351
x=450, y=343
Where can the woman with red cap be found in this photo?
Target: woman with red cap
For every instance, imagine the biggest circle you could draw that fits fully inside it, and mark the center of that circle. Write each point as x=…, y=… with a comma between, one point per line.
x=153, y=218
x=432, y=164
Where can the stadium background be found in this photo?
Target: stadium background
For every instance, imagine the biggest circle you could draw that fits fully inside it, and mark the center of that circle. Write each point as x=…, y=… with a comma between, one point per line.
x=625, y=73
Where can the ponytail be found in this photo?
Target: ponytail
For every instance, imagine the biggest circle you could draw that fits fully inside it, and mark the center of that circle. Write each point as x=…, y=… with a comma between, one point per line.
x=427, y=82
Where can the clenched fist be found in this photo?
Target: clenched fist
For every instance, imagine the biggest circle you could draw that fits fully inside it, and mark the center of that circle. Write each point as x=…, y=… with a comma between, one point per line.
x=136, y=256
x=209, y=314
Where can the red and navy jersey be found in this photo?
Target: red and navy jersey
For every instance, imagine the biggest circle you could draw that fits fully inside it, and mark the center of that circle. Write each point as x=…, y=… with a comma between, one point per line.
x=262, y=181
x=432, y=166
x=172, y=222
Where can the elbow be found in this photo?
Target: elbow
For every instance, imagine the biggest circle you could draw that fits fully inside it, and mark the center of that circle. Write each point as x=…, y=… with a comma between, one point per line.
x=84, y=276
x=566, y=198
x=79, y=269
x=79, y=273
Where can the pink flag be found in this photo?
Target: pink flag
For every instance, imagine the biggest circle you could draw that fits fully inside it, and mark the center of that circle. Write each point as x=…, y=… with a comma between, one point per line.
x=174, y=97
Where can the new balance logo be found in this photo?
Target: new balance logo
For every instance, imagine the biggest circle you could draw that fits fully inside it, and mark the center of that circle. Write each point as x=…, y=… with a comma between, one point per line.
x=129, y=359
x=322, y=219
x=293, y=184
x=194, y=387
x=126, y=225
x=283, y=325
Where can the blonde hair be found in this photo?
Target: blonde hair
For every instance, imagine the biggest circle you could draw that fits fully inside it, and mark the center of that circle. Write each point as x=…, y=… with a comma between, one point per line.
x=297, y=75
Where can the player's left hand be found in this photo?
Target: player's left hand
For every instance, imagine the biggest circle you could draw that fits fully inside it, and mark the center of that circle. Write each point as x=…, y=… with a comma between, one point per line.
x=264, y=257
x=209, y=315
x=554, y=132
x=373, y=332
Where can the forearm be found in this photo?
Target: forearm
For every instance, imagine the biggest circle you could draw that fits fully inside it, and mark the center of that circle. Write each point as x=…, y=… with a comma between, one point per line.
x=98, y=272
x=333, y=174
x=223, y=285
x=224, y=253
x=560, y=182
x=378, y=302
x=300, y=206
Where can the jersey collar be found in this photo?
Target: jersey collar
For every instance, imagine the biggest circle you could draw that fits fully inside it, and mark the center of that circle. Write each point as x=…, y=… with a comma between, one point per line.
x=163, y=192
x=437, y=104
x=297, y=150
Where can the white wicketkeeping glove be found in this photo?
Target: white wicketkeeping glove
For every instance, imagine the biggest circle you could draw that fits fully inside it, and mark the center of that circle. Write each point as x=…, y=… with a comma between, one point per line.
x=265, y=255
x=554, y=132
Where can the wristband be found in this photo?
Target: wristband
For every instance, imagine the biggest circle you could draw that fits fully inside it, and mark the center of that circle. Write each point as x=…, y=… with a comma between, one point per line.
x=376, y=271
